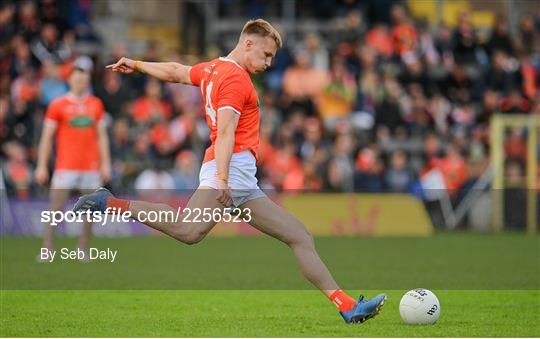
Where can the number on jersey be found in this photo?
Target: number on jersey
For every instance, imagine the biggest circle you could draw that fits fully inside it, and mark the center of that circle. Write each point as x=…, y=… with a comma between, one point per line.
x=210, y=111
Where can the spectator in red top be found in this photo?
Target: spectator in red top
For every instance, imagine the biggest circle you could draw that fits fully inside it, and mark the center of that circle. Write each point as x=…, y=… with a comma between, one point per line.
x=369, y=171
x=529, y=77
x=284, y=162
x=453, y=169
x=18, y=174
x=403, y=33
x=151, y=107
x=515, y=146
x=515, y=102
x=160, y=135
x=25, y=89
x=303, y=178
x=379, y=38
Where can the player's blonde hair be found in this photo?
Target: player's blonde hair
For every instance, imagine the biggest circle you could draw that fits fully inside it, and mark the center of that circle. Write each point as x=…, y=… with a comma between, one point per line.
x=262, y=28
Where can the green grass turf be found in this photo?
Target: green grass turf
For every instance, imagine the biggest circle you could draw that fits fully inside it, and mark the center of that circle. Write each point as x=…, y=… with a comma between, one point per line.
x=254, y=314
x=446, y=261
x=488, y=285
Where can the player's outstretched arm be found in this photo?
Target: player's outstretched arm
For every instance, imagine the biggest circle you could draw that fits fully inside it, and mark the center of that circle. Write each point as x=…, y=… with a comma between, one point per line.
x=165, y=71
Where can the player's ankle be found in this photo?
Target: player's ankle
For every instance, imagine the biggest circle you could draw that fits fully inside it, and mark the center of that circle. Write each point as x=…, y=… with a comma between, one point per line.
x=48, y=246
x=116, y=205
x=343, y=301
x=82, y=245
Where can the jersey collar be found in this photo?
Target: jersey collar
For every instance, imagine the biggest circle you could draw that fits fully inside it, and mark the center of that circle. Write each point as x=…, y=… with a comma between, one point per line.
x=77, y=100
x=231, y=60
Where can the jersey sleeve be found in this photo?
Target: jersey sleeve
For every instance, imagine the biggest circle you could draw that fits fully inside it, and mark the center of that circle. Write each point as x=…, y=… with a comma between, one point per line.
x=232, y=93
x=196, y=73
x=53, y=114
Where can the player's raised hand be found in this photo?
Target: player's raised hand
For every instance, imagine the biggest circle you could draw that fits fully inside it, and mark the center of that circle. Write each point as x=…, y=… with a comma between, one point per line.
x=124, y=65
x=41, y=175
x=224, y=193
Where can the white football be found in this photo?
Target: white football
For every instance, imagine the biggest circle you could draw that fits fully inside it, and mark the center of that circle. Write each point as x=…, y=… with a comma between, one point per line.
x=419, y=307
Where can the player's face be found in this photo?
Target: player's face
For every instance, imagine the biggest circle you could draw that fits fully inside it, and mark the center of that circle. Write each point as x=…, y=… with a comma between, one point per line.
x=260, y=52
x=79, y=82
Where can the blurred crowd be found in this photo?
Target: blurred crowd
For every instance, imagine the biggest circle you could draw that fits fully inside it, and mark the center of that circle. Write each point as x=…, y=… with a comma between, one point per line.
x=369, y=107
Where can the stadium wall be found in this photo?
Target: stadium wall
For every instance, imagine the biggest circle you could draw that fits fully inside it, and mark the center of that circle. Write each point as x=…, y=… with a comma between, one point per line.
x=323, y=214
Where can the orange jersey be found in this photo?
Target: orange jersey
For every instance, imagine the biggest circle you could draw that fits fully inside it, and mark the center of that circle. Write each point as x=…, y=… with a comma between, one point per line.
x=404, y=37
x=77, y=131
x=225, y=84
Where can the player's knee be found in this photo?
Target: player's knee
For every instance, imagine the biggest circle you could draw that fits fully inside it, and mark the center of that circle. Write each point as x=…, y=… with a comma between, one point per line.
x=307, y=240
x=187, y=236
x=192, y=239
x=301, y=238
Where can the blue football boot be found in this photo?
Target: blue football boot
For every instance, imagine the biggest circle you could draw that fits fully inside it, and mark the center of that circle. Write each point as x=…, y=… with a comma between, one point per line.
x=95, y=201
x=364, y=309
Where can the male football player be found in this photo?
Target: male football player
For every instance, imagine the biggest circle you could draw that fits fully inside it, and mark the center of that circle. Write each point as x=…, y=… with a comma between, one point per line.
x=227, y=176
x=83, y=163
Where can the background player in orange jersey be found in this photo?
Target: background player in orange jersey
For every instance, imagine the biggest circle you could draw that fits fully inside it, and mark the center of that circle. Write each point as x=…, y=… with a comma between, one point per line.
x=82, y=146
x=227, y=175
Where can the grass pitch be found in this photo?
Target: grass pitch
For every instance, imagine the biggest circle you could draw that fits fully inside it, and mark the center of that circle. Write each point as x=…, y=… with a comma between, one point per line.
x=488, y=286
x=254, y=314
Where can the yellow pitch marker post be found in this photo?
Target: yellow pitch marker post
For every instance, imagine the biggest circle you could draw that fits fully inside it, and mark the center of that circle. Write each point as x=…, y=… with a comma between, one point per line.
x=499, y=124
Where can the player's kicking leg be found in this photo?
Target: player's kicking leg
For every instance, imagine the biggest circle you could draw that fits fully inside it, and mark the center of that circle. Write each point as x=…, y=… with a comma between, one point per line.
x=273, y=220
x=188, y=232
x=268, y=218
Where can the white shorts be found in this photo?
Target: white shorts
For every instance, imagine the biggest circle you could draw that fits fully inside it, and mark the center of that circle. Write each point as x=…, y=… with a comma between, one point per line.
x=242, y=180
x=72, y=179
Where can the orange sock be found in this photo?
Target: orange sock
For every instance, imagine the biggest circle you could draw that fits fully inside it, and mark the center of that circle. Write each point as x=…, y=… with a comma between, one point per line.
x=342, y=300
x=119, y=205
